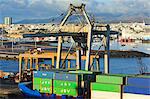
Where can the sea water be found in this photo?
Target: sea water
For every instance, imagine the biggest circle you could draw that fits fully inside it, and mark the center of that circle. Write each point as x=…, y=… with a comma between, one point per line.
x=117, y=65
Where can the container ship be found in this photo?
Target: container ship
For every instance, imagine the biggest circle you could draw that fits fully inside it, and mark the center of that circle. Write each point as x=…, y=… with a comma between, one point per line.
x=75, y=74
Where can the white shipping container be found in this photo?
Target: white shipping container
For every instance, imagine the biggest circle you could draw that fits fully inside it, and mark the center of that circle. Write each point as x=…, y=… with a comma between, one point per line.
x=114, y=95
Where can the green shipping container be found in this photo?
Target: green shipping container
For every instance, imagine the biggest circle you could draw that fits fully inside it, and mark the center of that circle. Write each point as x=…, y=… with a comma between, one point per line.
x=65, y=91
x=36, y=81
x=81, y=72
x=65, y=84
x=36, y=87
x=46, y=90
x=106, y=87
x=46, y=82
x=110, y=79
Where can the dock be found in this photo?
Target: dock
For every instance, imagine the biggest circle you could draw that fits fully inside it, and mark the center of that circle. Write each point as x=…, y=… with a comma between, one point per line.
x=113, y=54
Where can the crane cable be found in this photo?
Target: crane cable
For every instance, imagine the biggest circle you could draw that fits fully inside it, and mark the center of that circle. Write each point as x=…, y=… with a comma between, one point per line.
x=67, y=55
x=97, y=53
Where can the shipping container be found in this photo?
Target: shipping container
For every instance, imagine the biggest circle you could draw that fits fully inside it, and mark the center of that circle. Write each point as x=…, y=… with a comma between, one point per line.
x=106, y=87
x=67, y=91
x=36, y=87
x=135, y=96
x=143, y=76
x=46, y=82
x=67, y=77
x=46, y=90
x=37, y=80
x=43, y=74
x=66, y=84
x=81, y=72
x=85, y=75
x=138, y=81
x=114, y=95
x=89, y=77
x=104, y=95
x=46, y=74
x=37, y=74
x=110, y=79
x=136, y=90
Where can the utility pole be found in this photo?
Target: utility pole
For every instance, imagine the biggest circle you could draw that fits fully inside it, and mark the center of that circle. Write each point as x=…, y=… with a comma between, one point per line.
x=35, y=44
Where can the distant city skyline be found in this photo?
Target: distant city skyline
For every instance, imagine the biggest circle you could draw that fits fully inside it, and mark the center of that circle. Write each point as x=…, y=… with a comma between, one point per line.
x=40, y=9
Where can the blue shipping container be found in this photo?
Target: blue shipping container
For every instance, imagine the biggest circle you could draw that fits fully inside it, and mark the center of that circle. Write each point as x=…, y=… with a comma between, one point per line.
x=67, y=76
x=43, y=74
x=141, y=82
x=136, y=90
x=36, y=74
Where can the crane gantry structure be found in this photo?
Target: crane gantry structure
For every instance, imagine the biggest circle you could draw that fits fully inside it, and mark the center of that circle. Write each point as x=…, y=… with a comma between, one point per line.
x=82, y=36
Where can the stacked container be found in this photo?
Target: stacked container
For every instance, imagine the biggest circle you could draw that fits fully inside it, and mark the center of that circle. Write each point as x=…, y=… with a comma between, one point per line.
x=107, y=86
x=138, y=85
x=42, y=81
x=67, y=84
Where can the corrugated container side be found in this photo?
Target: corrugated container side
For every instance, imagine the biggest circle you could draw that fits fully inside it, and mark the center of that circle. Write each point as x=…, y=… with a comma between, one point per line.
x=67, y=76
x=106, y=87
x=110, y=79
x=65, y=84
x=36, y=87
x=105, y=95
x=43, y=74
x=37, y=80
x=89, y=77
x=81, y=72
x=136, y=90
x=36, y=74
x=67, y=91
x=46, y=90
x=46, y=82
x=136, y=81
x=47, y=75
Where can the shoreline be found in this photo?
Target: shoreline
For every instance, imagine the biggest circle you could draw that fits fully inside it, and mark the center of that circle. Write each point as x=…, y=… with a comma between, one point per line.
x=113, y=54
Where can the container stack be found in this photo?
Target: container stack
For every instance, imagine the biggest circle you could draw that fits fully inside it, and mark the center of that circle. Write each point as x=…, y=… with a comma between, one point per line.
x=67, y=84
x=106, y=86
x=42, y=81
x=138, y=85
x=92, y=85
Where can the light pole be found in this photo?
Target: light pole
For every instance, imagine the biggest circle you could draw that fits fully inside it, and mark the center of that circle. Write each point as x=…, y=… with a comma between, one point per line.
x=35, y=40
x=35, y=44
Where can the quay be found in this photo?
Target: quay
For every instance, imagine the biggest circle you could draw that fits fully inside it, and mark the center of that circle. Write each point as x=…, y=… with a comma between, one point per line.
x=113, y=54
x=8, y=55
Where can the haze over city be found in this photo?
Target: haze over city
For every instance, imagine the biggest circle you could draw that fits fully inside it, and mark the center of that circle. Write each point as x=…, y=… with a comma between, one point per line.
x=103, y=9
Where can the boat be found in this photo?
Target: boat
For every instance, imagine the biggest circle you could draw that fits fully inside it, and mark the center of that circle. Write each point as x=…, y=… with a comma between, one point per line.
x=25, y=88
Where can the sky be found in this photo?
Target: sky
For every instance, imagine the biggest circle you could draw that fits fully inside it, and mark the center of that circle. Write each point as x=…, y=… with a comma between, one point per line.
x=40, y=9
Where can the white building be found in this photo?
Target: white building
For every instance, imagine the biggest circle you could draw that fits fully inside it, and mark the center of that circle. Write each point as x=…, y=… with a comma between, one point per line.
x=8, y=20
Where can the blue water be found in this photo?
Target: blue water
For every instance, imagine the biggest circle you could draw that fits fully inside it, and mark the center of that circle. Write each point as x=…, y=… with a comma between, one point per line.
x=114, y=45
x=117, y=65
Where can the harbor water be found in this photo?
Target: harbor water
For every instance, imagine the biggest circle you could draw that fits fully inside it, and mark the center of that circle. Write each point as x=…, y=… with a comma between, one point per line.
x=117, y=65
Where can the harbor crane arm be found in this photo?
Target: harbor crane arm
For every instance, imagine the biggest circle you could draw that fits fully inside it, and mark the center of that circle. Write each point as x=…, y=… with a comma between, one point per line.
x=67, y=16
